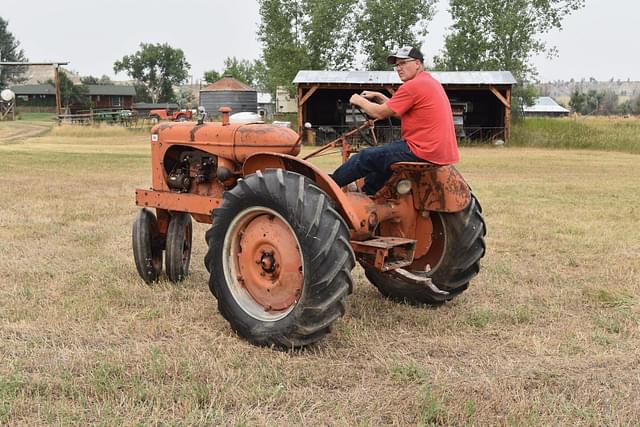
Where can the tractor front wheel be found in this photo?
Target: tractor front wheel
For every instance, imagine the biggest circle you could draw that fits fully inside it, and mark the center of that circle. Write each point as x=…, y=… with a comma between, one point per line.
x=178, y=246
x=280, y=260
x=452, y=260
x=147, y=246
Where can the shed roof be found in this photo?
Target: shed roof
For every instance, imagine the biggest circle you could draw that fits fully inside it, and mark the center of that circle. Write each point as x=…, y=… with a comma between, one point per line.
x=116, y=90
x=152, y=106
x=228, y=84
x=41, y=89
x=391, y=77
x=545, y=104
x=47, y=89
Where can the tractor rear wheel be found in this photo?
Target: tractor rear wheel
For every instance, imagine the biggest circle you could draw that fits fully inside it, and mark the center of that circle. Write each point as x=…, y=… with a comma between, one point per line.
x=454, y=259
x=147, y=246
x=280, y=260
x=178, y=246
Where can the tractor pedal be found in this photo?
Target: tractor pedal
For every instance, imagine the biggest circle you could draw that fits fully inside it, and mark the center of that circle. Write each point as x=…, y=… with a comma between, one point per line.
x=385, y=253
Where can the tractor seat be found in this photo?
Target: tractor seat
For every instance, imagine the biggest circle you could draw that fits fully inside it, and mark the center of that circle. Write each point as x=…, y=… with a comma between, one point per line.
x=413, y=166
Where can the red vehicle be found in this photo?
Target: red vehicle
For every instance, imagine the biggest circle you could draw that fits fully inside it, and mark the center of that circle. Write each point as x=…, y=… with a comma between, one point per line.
x=166, y=114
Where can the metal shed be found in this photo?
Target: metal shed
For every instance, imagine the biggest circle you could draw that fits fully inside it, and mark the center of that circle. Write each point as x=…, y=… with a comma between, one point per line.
x=228, y=92
x=545, y=106
x=480, y=100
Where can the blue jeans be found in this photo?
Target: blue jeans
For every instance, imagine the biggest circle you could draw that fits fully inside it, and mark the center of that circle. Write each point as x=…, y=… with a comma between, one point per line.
x=374, y=165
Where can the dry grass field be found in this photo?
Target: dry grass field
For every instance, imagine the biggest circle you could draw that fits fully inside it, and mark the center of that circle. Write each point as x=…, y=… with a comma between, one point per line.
x=547, y=334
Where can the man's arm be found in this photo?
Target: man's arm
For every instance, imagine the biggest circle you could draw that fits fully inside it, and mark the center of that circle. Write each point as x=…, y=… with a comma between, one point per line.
x=377, y=111
x=377, y=97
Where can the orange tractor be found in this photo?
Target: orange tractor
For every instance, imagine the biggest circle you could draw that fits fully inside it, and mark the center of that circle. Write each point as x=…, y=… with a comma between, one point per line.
x=284, y=237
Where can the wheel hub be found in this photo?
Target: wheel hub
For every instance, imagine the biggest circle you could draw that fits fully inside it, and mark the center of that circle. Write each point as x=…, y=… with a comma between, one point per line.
x=270, y=263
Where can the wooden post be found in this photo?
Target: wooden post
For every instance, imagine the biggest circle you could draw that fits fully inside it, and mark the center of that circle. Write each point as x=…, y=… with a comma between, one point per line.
x=300, y=109
x=506, y=101
x=507, y=117
x=56, y=68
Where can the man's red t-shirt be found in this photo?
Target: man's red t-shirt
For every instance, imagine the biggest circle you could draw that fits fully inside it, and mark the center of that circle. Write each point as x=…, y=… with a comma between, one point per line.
x=427, y=121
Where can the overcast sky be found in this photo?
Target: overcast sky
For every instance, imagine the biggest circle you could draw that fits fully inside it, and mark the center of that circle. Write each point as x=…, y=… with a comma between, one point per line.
x=598, y=41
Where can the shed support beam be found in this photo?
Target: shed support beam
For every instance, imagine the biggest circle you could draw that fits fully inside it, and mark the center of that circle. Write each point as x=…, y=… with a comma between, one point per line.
x=307, y=95
x=506, y=101
x=301, y=105
x=300, y=109
x=498, y=95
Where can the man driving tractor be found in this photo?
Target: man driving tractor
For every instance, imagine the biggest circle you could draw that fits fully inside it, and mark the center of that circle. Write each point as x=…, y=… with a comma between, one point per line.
x=284, y=238
x=428, y=133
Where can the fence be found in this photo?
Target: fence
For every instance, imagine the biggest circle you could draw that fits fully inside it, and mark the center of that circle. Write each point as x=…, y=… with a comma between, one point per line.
x=90, y=117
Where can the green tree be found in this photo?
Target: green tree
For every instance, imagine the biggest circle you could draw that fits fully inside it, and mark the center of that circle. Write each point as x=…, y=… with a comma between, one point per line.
x=335, y=34
x=91, y=80
x=186, y=98
x=502, y=34
x=592, y=103
x=10, y=52
x=304, y=34
x=328, y=33
x=283, y=50
x=240, y=69
x=212, y=76
x=625, y=107
x=156, y=66
x=490, y=35
x=578, y=101
x=142, y=93
x=72, y=94
x=385, y=25
x=608, y=104
x=635, y=105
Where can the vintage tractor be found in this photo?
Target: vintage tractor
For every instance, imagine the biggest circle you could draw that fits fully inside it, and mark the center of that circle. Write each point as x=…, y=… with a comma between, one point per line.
x=284, y=237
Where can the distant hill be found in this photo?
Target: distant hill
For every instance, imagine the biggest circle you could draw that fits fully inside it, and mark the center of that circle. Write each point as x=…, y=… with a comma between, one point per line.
x=565, y=88
x=39, y=74
x=561, y=90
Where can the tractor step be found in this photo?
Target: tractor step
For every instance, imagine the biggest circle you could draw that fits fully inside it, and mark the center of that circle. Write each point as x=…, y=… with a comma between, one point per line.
x=385, y=253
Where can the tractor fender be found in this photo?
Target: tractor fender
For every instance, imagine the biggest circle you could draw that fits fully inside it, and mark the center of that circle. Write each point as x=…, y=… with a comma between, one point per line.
x=437, y=188
x=264, y=161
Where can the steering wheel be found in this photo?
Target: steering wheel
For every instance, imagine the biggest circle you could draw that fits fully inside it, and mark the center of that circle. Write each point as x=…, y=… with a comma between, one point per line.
x=369, y=139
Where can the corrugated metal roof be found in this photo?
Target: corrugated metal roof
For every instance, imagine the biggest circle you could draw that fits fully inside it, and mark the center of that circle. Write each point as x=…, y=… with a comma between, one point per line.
x=545, y=104
x=47, y=89
x=116, y=90
x=228, y=84
x=391, y=77
x=43, y=89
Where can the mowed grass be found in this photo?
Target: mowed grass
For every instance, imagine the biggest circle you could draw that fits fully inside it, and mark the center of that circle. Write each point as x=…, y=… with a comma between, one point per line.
x=547, y=334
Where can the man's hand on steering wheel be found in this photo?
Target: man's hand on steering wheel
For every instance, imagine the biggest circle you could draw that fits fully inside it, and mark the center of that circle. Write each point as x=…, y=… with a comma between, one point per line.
x=368, y=139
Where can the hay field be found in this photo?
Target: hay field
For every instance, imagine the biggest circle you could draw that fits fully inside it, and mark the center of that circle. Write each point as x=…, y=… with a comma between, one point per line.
x=547, y=334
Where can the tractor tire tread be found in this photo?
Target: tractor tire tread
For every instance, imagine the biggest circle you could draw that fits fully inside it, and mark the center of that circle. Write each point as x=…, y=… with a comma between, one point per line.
x=328, y=258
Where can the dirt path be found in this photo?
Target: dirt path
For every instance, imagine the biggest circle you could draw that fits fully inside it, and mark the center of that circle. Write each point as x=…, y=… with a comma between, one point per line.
x=13, y=131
